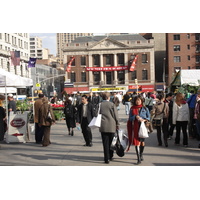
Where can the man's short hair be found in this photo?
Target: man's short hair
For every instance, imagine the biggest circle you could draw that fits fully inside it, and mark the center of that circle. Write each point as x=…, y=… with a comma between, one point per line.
x=40, y=95
x=85, y=96
x=105, y=95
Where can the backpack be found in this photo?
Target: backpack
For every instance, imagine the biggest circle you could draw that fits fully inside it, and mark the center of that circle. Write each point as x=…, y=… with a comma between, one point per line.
x=68, y=111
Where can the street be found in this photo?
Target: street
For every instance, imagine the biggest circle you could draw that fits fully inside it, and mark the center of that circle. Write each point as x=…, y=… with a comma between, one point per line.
x=68, y=150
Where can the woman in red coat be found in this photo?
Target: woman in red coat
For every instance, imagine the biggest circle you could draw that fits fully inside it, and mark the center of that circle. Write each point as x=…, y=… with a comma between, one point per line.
x=138, y=113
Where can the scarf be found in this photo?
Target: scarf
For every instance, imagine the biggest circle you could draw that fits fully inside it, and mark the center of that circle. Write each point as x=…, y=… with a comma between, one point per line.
x=133, y=127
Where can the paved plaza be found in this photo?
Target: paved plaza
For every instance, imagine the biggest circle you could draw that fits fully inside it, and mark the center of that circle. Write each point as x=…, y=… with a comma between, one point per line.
x=68, y=150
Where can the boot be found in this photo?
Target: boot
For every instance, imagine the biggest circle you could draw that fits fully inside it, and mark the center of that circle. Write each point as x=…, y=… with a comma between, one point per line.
x=141, y=152
x=137, y=148
x=72, y=133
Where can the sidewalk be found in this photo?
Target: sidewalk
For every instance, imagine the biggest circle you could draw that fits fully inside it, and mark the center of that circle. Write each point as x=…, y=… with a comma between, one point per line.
x=68, y=150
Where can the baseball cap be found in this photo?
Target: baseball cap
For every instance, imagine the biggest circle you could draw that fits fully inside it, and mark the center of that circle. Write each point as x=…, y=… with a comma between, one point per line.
x=10, y=95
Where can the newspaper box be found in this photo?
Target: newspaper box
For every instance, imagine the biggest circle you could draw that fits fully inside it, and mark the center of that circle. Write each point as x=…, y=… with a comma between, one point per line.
x=17, y=128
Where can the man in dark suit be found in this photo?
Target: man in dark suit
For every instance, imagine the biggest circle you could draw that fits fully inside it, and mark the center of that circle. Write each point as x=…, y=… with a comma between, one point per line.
x=84, y=117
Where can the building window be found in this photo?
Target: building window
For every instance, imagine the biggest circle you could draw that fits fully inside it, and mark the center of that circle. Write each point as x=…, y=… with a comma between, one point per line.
x=197, y=59
x=96, y=76
x=188, y=36
x=188, y=47
x=198, y=48
x=2, y=62
x=188, y=57
x=177, y=48
x=197, y=36
x=177, y=37
x=96, y=59
x=73, y=77
x=189, y=67
x=108, y=77
x=83, y=60
x=120, y=59
x=108, y=60
x=83, y=76
x=144, y=58
x=177, y=59
x=73, y=62
x=21, y=69
x=121, y=77
x=8, y=66
x=144, y=74
x=197, y=67
x=134, y=75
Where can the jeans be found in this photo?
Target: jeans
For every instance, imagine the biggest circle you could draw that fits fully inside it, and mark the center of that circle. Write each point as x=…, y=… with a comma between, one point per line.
x=127, y=107
x=181, y=125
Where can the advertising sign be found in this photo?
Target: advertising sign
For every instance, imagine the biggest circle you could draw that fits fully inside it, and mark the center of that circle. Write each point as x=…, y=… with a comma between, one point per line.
x=17, y=129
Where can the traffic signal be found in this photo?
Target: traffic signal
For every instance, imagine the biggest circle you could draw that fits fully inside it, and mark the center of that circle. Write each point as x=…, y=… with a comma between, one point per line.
x=136, y=81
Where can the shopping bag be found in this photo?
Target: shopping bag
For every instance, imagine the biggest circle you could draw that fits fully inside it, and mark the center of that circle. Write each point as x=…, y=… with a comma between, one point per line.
x=143, y=133
x=96, y=122
x=123, y=138
x=114, y=141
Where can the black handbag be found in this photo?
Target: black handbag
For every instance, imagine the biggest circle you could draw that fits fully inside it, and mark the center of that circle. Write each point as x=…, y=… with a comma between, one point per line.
x=119, y=147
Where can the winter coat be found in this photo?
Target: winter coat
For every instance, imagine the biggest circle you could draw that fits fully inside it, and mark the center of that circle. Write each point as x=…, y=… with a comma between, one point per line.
x=180, y=113
x=109, y=119
x=37, y=106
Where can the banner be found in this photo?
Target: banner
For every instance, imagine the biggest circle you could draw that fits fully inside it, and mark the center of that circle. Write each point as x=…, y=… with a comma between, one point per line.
x=107, y=69
x=107, y=89
x=15, y=58
x=132, y=67
x=68, y=69
x=32, y=62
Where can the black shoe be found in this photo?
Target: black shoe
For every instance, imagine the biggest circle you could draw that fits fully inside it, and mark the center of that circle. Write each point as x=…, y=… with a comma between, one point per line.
x=72, y=133
x=107, y=161
x=199, y=146
x=38, y=142
x=69, y=133
x=90, y=145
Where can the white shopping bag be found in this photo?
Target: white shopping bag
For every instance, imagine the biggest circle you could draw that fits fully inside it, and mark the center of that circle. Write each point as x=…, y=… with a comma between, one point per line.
x=143, y=133
x=96, y=122
x=123, y=138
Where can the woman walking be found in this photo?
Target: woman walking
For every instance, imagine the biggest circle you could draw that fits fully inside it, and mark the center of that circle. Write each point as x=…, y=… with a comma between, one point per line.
x=160, y=112
x=138, y=113
x=70, y=116
x=45, y=122
x=109, y=125
x=181, y=116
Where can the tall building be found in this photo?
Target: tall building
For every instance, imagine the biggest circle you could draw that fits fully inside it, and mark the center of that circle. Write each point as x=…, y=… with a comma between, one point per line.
x=63, y=38
x=15, y=42
x=36, y=50
x=103, y=63
x=183, y=52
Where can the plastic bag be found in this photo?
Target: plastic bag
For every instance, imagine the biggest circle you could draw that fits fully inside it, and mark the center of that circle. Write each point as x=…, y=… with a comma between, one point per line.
x=143, y=133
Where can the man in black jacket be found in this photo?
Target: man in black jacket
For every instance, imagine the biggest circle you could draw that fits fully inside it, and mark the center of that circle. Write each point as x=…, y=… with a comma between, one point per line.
x=84, y=117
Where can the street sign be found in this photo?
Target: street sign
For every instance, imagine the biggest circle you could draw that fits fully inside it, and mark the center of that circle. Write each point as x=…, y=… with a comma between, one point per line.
x=37, y=85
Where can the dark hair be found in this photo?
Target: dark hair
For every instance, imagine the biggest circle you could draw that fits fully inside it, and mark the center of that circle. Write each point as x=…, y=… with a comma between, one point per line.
x=133, y=101
x=160, y=96
x=169, y=95
x=85, y=96
x=40, y=95
x=105, y=95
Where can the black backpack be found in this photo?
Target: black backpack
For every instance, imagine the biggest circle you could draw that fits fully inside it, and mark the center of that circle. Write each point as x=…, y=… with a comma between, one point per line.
x=68, y=111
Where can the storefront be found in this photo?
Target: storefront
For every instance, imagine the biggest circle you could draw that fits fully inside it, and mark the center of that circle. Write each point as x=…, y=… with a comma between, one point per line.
x=141, y=88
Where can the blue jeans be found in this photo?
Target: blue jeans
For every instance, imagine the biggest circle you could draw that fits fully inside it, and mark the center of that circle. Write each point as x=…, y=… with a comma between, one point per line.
x=127, y=107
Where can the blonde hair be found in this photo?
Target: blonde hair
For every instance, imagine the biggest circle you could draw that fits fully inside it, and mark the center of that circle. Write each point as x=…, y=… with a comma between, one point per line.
x=179, y=97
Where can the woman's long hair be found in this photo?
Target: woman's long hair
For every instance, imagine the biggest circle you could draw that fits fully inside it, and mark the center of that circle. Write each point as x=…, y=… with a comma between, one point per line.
x=135, y=99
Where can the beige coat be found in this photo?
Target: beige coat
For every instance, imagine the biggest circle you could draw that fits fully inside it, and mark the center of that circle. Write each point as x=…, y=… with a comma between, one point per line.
x=43, y=112
x=37, y=106
x=158, y=108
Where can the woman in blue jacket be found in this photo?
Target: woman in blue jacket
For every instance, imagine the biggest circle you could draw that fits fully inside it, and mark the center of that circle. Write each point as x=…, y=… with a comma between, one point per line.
x=138, y=113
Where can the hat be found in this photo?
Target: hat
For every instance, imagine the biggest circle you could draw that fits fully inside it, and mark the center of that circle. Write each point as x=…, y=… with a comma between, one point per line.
x=10, y=95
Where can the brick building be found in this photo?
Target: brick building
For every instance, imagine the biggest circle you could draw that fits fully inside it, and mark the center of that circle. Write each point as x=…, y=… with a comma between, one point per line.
x=104, y=61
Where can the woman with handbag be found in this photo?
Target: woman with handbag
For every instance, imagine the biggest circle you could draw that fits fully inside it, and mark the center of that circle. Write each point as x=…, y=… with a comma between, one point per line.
x=45, y=120
x=138, y=113
x=109, y=125
x=181, y=117
x=160, y=114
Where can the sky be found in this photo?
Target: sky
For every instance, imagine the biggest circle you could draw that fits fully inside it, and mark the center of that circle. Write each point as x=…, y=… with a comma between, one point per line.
x=48, y=41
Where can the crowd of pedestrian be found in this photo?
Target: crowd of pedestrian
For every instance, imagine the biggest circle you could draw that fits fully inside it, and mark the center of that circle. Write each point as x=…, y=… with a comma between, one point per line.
x=164, y=112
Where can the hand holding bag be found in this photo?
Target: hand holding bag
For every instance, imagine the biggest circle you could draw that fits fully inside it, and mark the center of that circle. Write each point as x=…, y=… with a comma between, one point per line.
x=96, y=121
x=143, y=133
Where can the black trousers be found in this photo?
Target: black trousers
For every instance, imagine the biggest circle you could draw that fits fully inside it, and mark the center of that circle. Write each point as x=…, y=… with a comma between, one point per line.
x=107, y=140
x=87, y=134
x=39, y=133
x=164, y=130
x=192, y=125
x=181, y=125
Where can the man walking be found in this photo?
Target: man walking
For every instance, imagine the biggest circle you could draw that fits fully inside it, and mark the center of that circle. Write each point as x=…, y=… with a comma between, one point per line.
x=38, y=129
x=84, y=117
